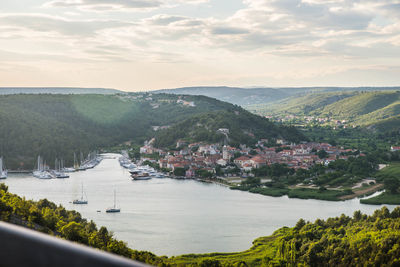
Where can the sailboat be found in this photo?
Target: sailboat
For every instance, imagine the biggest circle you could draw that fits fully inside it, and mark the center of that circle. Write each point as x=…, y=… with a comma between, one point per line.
x=3, y=171
x=113, y=209
x=81, y=200
x=58, y=173
x=41, y=171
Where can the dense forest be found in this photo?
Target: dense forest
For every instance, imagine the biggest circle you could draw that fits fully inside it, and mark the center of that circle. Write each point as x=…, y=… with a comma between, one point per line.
x=56, y=126
x=360, y=240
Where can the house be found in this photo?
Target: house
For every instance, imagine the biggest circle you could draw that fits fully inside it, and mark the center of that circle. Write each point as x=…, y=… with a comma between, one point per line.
x=222, y=162
x=394, y=148
x=241, y=160
x=190, y=173
x=180, y=143
x=223, y=130
x=258, y=161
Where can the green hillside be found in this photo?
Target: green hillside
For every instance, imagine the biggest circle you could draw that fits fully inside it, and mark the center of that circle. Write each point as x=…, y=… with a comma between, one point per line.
x=244, y=128
x=56, y=126
x=301, y=104
x=379, y=110
x=375, y=104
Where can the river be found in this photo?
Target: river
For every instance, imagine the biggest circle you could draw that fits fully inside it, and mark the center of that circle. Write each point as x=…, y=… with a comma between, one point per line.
x=173, y=217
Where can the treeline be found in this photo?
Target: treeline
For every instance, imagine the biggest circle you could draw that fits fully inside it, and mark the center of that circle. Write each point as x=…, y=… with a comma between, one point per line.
x=47, y=217
x=244, y=128
x=360, y=240
x=56, y=126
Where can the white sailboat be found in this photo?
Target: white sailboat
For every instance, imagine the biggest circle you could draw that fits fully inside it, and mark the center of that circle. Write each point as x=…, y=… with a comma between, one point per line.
x=3, y=171
x=114, y=208
x=41, y=171
x=58, y=170
x=81, y=200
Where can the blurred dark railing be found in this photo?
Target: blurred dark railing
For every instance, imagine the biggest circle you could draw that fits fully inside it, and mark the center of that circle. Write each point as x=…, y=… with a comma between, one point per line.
x=22, y=247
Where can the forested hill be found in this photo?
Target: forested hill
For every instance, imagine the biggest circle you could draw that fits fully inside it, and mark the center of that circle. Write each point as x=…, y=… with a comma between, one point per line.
x=57, y=90
x=243, y=126
x=56, y=126
x=263, y=95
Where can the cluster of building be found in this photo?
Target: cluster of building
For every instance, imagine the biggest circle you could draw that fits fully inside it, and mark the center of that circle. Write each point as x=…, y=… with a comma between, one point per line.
x=312, y=120
x=195, y=156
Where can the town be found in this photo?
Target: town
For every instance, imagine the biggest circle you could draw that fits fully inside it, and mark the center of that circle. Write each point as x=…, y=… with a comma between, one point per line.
x=192, y=160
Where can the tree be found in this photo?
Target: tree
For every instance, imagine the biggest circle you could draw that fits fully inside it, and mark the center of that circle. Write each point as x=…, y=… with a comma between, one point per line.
x=179, y=172
x=391, y=184
x=322, y=154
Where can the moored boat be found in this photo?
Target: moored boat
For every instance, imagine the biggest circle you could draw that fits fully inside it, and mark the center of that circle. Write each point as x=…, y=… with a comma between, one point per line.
x=3, y=171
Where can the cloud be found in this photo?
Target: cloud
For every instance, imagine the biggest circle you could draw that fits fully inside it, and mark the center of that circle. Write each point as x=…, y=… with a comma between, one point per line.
x=47, y=23
x=228, y=30
x=106, y=5
x=120, y=5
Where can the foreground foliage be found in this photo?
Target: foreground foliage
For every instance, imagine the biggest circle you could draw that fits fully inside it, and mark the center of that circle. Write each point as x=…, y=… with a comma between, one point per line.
x=47, y=217
x=342, y=241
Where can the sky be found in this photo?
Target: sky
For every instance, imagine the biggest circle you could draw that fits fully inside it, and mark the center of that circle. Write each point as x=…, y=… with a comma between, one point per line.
x=140, y=45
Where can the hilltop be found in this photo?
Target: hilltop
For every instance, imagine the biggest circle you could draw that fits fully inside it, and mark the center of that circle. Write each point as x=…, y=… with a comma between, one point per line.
x=57, y=90
x=261, y=95
x=56, y=126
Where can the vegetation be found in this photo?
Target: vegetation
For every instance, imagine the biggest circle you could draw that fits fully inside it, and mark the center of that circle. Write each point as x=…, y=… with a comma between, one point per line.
x=47, y=217
x=379, y=110
x=244, y=128
x=330, y=182
x=342, y=241
x=384, y=198
x=56, y=126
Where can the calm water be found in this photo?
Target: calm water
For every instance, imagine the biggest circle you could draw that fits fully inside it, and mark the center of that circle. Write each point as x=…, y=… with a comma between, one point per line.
x=172, y=217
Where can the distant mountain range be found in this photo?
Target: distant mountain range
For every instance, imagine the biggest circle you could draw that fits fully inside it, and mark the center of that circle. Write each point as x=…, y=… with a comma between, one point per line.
x=57, y=90
x=263, y=95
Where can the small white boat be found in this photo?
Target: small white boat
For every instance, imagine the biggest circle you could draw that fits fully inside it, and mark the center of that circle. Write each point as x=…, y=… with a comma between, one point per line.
x=114, y=209
x=3, y=171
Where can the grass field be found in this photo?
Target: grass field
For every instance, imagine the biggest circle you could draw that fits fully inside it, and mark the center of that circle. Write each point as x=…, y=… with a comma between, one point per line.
x=384, y=198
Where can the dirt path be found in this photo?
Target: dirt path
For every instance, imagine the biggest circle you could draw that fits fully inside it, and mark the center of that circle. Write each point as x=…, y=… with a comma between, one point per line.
x=361, y=192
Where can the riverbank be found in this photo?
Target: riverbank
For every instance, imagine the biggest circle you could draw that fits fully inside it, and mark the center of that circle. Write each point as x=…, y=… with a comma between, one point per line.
x=312, y=193
x=384, y=198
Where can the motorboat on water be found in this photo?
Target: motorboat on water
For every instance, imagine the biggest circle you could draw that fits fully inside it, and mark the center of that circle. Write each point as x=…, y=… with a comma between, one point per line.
x=139, y=175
